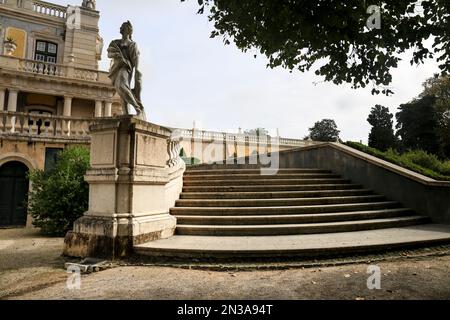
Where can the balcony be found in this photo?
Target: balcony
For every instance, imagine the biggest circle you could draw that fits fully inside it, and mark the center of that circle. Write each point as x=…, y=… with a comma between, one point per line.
x=49, y=9
x=47, y=69
x=33, y=76
x=43, y=128
x=38, y=7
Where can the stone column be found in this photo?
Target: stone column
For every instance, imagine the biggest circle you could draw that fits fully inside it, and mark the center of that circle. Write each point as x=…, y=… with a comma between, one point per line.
x=108, y=109
x=2, y=99
x=133, y=182
x=12, y=107
x=67, y=106
x=98, y=108
x=12, y=100
x=67, y=112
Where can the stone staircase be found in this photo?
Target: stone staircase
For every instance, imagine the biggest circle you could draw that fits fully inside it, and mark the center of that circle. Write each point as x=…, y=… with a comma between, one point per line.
x=230, y=211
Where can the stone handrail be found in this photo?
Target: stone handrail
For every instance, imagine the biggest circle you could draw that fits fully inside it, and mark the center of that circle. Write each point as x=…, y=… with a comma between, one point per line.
x=53, y=69
x=50, y=9
x=43, y=126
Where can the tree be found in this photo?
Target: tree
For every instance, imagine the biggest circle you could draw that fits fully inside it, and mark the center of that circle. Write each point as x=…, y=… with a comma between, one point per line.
x=334, y=37
x=257, y=132
x=382, y=135
x=439, y=87
x=417, y=122
x=325, y=131
x=61, y=196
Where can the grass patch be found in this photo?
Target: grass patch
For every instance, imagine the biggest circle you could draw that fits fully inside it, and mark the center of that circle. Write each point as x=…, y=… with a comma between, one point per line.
x=418, y=161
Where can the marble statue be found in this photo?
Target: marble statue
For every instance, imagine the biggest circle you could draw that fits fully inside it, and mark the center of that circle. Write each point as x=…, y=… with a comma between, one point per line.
x=125, y=61
x=88, y=4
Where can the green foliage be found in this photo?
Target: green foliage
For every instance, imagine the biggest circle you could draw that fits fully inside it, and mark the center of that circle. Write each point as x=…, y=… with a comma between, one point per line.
x=325, y=131
x=191, y=161
x=11, y=40
x=60, y=196
x=439, y=88
x=417, y=124
x=257, y=132
x=332, y=38
x=417, y=160
x=382, y=135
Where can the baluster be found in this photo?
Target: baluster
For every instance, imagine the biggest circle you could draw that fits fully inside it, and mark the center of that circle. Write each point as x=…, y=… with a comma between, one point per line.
x=58, y=125
x=46, y=125
x=20, y=123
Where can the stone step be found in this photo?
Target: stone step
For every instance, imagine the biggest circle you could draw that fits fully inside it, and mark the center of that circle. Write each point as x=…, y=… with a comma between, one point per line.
x=251, y=171
x=224, y=167
x=228, y=203
x=295, y=246
x=293, y=219
x=275, y=195
x=252, y=177
x=290, y=229
x=264, y=182
x=271, y=188
x=284, y=210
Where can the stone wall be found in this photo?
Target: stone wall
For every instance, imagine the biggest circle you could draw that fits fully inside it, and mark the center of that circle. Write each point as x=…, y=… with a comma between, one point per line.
x=425, y=195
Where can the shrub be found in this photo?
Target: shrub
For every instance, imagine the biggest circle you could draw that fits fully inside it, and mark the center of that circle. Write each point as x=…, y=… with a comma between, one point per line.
x=191, y=161
x=61, y=196
x=417, y=160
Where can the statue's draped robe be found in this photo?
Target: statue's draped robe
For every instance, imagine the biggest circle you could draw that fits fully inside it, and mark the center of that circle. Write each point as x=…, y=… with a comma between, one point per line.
x=126, y=59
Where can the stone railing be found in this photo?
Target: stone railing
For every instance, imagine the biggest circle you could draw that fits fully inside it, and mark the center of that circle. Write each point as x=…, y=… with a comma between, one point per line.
x=174, y=149
x=50, y=9
x=189, y=134
x=41, y=67
x=53, y=70
x=31, y=125
x=86, y=74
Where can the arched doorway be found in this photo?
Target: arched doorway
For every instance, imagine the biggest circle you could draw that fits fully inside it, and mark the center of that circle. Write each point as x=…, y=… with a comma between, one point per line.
x=14, y=186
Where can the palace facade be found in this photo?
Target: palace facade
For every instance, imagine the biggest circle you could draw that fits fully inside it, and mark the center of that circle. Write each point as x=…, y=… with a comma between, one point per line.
x=51, y=89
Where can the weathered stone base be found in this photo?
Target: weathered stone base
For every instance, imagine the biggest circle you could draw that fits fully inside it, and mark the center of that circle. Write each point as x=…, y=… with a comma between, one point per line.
x=114, y=238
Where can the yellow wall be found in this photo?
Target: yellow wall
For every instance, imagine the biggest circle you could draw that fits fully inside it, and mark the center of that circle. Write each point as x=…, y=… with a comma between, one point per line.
x=83, y=108
x=20, y=37
x=34, y=151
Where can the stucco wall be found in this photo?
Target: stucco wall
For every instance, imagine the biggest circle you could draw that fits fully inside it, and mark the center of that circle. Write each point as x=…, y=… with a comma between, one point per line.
x=31, y=154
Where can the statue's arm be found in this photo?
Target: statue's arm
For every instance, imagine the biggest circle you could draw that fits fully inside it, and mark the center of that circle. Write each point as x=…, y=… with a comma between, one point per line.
x=113, y=51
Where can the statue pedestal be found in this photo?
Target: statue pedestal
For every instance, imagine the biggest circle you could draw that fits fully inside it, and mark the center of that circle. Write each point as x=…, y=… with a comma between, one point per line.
x=135, y=178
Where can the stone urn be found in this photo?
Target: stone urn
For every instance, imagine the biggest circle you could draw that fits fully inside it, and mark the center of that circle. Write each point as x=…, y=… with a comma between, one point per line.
x=9, y=47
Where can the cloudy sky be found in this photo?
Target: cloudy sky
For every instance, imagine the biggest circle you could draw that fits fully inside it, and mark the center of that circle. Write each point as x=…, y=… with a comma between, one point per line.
x=189, y=77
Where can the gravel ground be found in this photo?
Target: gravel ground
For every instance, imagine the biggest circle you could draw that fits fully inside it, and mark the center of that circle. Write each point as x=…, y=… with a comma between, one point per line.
x=31, y=268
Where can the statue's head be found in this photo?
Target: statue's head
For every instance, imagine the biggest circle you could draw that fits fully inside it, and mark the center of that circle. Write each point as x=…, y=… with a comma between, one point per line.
x=126, y=29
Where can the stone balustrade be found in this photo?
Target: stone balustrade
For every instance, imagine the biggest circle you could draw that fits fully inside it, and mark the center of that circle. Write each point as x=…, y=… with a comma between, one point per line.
x=174, y=149
x=53, y=70
x=41, y=67
x=237, y=137
x=29, y=125
x=50, y=9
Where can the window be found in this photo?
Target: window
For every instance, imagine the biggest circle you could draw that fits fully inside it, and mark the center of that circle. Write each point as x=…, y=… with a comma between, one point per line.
x=46, y=51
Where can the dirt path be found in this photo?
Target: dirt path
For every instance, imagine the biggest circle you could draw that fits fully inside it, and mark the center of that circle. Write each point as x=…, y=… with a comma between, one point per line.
x=31, y=268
